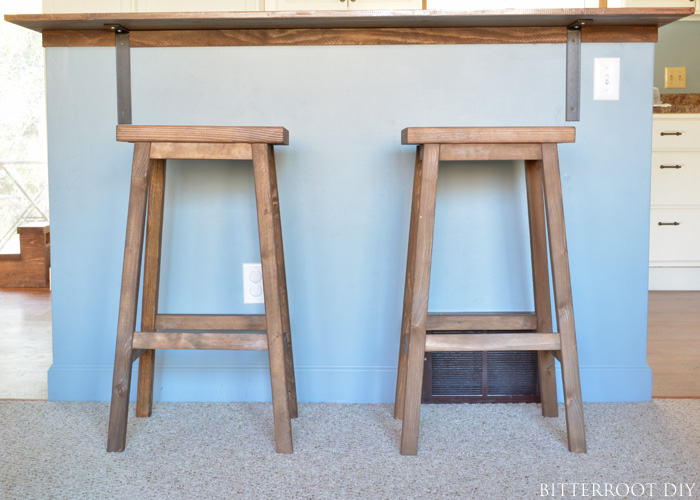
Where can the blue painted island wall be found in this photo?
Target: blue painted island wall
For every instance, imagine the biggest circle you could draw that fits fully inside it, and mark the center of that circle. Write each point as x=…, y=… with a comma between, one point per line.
x=345, y=191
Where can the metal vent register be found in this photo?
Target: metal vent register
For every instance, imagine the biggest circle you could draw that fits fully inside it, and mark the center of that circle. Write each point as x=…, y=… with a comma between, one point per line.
x=481, y=377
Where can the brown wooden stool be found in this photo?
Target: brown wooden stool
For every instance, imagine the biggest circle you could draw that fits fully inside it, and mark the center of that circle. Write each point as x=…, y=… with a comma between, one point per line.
x=152, y=146
x=538, y=147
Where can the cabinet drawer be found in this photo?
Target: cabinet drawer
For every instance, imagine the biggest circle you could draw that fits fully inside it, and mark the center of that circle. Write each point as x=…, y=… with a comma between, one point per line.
x=677, y=134
x=675, y=178
x=675, y=245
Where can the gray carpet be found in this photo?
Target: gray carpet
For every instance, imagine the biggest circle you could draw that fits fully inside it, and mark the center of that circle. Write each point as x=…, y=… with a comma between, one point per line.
x=54, y=450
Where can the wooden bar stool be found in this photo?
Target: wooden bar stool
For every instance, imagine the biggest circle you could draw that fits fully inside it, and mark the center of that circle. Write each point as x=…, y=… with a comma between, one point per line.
x=538, y=147
x=152, y=146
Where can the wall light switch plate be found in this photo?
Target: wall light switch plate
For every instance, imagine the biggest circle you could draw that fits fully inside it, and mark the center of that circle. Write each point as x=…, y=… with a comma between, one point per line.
x=606, y=79
x=252, y=284
x=674, y=78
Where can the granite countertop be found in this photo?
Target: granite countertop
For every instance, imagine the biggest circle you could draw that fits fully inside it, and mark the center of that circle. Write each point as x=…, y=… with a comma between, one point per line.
x=680, y=103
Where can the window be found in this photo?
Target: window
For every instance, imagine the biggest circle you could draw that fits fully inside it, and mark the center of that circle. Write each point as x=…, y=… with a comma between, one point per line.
x=24, y=193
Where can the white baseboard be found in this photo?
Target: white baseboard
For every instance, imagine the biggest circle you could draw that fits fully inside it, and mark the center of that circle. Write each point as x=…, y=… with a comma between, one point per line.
x=674, y=278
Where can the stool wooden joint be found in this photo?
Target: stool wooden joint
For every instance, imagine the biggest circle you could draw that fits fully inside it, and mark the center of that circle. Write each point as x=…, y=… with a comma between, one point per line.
x=537, y=146
x=153, y=145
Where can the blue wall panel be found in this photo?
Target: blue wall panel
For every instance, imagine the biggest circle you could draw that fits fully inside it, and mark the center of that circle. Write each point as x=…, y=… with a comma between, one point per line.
x=345, y=191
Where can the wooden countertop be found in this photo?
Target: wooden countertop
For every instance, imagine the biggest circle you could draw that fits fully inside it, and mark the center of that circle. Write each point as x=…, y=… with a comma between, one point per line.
x=536, y=26
x=351, y=19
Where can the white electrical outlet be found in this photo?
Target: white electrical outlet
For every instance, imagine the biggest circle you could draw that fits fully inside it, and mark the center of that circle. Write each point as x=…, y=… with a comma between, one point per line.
x=606, y=79
x=252, y=284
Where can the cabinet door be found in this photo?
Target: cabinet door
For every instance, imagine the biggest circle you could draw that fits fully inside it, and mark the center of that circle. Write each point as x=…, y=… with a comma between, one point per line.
x=659, y=3
x=198, y=6
x=515, y=4
x=385, y=4
x=306, y=4
x=95, y=6
x=92, y=6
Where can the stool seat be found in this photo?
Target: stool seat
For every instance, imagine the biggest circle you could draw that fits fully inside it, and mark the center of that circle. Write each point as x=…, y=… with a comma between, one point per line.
x=484, y=135
x=422, y=332
x=182, y=133
x=153, y=145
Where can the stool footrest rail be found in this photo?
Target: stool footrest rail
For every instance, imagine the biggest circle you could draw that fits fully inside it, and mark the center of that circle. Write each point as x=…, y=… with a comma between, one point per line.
x=493, y=342
x=201, y=340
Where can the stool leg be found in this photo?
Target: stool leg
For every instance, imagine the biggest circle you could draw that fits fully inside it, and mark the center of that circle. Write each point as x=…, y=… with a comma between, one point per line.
x=271, y=286
x=121, y=384
x=151, y=282
x=562, y=299
x=540, y=280
x=419, y=298
x=407, y=296
x=289, y=357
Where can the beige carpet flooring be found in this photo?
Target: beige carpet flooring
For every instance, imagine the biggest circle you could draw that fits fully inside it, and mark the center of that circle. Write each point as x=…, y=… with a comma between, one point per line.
x=56, y=450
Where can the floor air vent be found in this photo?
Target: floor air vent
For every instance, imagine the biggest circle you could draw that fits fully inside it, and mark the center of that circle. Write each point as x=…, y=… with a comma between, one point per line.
x=481, y=377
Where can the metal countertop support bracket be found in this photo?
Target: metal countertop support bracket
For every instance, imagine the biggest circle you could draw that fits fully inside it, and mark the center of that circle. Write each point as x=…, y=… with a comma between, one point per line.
x=573, y=70
x=123, y=73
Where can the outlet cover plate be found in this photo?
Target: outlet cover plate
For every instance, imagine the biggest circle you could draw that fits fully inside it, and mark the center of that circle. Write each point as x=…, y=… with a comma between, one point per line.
x=253, y=284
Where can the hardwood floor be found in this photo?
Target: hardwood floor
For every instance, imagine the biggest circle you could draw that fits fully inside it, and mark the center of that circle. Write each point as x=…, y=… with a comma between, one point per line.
x=25, y=342
x=673, y=343
x=26, y=355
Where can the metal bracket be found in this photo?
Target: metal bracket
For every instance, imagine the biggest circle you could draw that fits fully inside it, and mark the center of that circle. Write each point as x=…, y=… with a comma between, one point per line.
x=573, y=70
x=123, y=73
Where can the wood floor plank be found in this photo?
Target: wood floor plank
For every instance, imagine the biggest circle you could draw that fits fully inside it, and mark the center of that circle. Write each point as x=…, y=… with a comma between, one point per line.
x=25, y=342
x=673, y=343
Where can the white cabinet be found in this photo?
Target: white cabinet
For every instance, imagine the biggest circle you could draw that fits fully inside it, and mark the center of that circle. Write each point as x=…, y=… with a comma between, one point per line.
x=342, y=4
x=659, y=3
x=96, y=6
x=666, y=3
x=516, y=4
x=674, y=240
x=65, y=6
x=674, y=180
x=92, y=6
x=385, y=4
x=306, y=5
x=199, y=6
